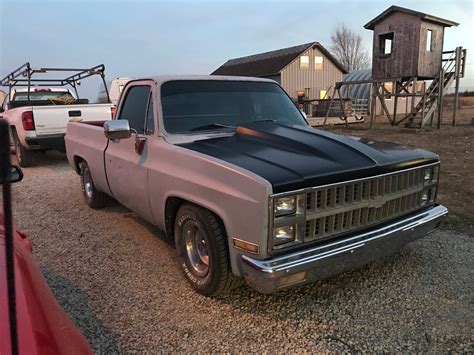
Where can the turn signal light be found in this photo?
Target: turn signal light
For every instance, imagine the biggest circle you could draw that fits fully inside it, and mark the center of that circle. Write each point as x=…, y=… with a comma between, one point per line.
x=242, y=244
x=28, y=121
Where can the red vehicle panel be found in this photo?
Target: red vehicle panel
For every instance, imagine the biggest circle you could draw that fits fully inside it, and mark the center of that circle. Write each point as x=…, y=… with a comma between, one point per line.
x=43, y=326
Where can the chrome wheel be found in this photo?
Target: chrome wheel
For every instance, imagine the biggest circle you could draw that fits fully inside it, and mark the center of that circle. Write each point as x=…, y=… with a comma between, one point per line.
x=197, y=248
x=88, y=187
x=18, y=150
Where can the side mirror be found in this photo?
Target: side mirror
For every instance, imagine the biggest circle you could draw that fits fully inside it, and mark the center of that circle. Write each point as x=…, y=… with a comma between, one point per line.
x=15, y=174
x=117, y=129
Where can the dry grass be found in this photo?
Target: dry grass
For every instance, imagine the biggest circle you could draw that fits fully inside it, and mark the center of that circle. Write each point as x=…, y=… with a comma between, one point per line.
x=455, y=146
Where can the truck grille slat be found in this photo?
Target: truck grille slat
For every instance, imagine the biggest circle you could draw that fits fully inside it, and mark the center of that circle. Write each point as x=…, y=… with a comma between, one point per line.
x=344, y=207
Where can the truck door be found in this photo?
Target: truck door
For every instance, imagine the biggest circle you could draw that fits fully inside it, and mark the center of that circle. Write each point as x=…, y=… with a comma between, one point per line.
x=126, y=168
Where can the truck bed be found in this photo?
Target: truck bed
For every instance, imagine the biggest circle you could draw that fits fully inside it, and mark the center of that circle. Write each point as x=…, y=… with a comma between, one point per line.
x=88, y=142
x=54, y=119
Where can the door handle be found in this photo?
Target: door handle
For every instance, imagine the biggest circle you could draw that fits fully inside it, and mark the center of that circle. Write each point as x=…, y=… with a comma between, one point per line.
x=139, y=144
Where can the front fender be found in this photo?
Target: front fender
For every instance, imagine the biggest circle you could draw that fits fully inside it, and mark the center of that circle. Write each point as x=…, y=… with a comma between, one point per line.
x=238, y=197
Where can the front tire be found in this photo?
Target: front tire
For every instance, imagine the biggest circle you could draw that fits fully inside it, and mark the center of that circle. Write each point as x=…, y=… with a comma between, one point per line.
x=201, y=243
x=93, y=197
x=24, y=156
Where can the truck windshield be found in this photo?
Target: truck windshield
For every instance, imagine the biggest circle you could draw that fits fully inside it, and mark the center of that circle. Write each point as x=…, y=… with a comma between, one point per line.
x=42, y=95
x=207, y=105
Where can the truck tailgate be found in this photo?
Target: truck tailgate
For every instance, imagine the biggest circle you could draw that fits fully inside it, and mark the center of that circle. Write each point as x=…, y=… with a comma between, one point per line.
x=54, y=119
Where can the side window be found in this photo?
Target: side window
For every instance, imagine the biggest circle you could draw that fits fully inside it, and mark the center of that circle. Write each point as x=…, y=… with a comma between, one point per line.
x=150, y=122
x=386, y=44
x=134, y=107
x=429, y=40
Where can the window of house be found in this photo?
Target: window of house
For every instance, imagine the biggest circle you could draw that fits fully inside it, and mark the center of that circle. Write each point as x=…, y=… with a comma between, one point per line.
x=322, y=94
x=420, y=86
x=429, y=40
x=386, y=43
x=388, y=86
x=304, y=62
x=318, y=63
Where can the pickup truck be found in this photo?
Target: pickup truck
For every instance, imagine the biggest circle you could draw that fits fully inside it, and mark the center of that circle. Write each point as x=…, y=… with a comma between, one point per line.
x=38, y=114
x=229, y=168
x=40, y=124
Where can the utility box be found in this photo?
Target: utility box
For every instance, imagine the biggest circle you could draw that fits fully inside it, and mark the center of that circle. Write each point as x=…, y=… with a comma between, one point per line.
x=407, y=44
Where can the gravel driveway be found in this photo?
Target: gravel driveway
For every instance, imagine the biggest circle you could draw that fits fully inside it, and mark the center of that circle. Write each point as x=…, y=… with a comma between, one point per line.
x=116, y=277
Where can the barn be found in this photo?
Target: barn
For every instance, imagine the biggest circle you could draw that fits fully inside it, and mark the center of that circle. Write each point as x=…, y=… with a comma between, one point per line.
x=307, y=70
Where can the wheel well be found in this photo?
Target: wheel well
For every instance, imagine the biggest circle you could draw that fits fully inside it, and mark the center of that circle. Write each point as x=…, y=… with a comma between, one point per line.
x=12, y=131
x=171, y=210
x=77, y=164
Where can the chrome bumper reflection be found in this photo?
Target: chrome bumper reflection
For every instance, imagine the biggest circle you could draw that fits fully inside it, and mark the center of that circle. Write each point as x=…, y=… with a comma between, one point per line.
x=269, y=276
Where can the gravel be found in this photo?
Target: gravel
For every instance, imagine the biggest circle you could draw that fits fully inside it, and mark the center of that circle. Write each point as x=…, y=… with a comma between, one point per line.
x=116, y=277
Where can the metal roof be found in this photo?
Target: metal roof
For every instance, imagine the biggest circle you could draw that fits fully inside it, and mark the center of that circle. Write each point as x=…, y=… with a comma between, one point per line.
x=271, y=63
x=426, y=17
x=357, y=91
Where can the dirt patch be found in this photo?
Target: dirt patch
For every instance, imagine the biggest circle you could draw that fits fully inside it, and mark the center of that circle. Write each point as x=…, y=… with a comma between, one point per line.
x=455, y=146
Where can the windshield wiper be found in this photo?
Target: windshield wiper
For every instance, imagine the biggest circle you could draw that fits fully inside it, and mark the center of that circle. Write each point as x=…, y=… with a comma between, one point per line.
x=211, y=126
x=264, y=121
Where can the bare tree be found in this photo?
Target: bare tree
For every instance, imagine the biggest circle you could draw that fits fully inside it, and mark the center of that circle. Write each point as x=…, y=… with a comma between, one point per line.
x=346, y=46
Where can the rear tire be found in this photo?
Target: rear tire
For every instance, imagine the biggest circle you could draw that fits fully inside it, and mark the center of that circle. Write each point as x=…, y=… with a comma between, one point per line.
x=201, y=243
x=24, y=156
x=94, y=198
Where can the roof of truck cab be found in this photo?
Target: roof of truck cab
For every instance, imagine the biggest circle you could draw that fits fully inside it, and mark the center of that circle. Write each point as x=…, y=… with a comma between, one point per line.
x=164, y=78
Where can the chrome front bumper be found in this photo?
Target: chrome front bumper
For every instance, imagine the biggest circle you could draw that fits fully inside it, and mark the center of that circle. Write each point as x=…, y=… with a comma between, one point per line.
x=269, y=276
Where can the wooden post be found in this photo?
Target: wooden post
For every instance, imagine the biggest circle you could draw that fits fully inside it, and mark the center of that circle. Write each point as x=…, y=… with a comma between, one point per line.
x=372, y=104
x=457, y=73
x=329, y=107
x=440, y=97
x=395, y=103
x=413, y=92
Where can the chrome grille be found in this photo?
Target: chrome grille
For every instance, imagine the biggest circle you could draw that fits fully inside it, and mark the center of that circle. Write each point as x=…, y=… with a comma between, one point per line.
x=343, y=207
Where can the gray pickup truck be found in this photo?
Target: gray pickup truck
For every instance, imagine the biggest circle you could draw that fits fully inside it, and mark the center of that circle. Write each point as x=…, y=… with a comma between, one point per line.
x=230, y=169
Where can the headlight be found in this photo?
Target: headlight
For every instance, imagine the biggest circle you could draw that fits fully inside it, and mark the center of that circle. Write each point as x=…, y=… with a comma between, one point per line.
x=430, y=174
x=284, y=206
x=282, y=235
x=425, y=197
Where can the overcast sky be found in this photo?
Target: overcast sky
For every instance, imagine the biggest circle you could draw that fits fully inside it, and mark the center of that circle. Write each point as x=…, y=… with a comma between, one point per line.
x=139, y=38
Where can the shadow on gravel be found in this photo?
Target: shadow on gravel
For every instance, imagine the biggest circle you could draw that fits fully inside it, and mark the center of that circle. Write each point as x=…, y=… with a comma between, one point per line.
x=114, y=207
x=327, y=294
x=153, y=230
x=75, y=303
x=54, y=161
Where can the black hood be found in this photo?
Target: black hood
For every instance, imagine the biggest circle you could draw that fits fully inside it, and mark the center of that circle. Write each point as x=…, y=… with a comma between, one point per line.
x=296, y=157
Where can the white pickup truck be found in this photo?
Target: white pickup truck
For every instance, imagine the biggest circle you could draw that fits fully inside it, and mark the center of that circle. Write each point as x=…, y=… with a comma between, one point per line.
x=38, y=115
x=230, y=169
